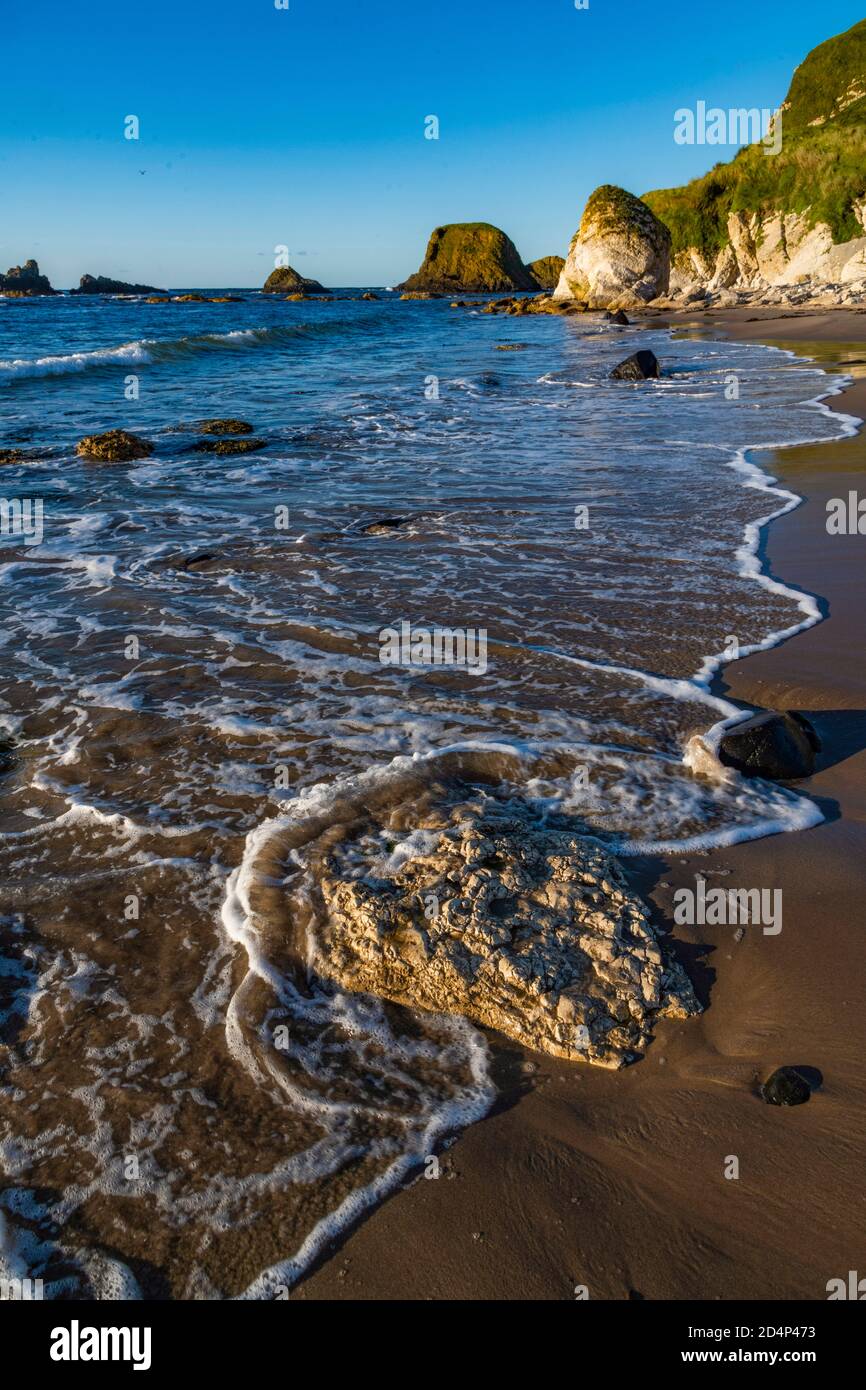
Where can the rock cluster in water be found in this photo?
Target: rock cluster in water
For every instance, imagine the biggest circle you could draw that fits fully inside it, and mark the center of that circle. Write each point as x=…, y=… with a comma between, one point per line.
x=524, y=927
x=25, y=280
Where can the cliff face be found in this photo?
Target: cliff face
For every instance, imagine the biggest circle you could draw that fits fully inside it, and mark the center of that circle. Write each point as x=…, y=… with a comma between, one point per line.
x=789, y=218
x=470, y=257
x=620, y=253
x=25, y=280
x=285, y=280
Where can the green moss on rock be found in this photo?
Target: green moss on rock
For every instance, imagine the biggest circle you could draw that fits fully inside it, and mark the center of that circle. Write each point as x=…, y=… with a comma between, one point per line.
x=285, y=280
x=546, y=271
x=470, y=256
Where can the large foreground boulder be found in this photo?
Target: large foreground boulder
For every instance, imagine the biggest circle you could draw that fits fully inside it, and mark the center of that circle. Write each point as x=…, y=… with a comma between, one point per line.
x=101, y=284
x=473, y=258
x=772, y=745
x=621, y=252
x=546, y=271
x=25, y=280
x=285, y=280
x=525, y=927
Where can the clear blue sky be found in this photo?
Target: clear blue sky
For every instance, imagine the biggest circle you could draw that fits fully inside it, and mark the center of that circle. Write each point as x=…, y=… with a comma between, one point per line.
x=305, y=126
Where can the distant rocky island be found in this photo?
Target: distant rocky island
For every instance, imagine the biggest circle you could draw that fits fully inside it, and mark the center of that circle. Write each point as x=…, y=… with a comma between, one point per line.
x=101, y=284
x=285, y=280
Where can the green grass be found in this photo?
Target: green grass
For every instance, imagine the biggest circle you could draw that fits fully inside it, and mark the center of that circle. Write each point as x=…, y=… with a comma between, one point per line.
x=820, y=171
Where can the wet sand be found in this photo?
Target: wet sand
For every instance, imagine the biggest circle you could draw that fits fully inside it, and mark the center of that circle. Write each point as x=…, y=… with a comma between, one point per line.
x=617, y=1181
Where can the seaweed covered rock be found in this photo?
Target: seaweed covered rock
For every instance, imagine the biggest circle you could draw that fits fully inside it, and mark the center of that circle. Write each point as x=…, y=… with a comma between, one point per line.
x=101, y=284
x=285, y=280
x=115, y=446
x=474, y=257
x=546, y=271
x=525, y=927
x=25, y=280
x=227, y=447
x=224, y=426
x=621, y=251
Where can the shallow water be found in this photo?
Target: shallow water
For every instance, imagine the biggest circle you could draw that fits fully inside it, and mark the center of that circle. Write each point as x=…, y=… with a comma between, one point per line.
x=170, y=723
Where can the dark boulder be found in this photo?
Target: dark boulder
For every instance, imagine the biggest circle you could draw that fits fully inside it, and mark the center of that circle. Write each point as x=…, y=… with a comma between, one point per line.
x=773, y=744
x=786, y=1087
x=225, y=447
x=224, y=426
x=619, y=317
x=639, y=367
x=285, y=280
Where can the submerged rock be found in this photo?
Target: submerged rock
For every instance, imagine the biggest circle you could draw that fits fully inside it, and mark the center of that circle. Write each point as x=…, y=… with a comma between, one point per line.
x=228, y=446
x=115, y=446
x=228, y=426
x=773, y=745
x=524, y=927
x=101, y=284
x=470, y=256
x=546, y=271
x=12, y=456
x=641, y=366
x=786, y=1087
x=285, y=280
x=621, y=250
x=25, y=280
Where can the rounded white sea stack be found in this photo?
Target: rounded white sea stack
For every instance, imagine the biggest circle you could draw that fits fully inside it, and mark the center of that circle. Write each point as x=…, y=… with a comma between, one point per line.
x=621, y=253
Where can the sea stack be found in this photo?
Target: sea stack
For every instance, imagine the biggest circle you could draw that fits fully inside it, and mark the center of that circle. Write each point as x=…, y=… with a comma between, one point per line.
x=546, y=271
x=470, y=258
x=25, y=280
x=620, y=255
x=285, y=280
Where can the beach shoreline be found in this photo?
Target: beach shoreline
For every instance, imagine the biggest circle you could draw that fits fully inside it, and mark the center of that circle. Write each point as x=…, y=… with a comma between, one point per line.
x=620, y=1184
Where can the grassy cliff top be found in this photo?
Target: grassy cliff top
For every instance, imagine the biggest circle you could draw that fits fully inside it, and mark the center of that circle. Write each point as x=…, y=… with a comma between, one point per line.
x=820, y=171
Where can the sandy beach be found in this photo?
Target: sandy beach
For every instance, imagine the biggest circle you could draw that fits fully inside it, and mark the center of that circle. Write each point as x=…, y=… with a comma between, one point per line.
x=616, y=1182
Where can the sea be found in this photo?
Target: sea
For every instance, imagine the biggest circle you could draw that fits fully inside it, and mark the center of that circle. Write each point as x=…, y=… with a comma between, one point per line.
x=205, y=659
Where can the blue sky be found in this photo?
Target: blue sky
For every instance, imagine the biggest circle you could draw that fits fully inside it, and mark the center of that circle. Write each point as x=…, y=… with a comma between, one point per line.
x=305, y=127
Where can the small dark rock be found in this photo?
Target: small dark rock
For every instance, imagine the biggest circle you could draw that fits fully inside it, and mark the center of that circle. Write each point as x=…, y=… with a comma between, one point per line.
x=228, y=446
x=619, y=317
x=224, y=427
x=775, y=745
x=639, y=367
x=786, y=1087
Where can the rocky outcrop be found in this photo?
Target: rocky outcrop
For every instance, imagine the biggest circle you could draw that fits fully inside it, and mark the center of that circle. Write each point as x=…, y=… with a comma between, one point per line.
x=228, y=447
x=546, y=271
x=25, y=280
x=786, y=226
x=285, y=280
x=620, y=255
x=772, y=745
x=470, y=257
x=525, y=927
x=101, y=284
x=224, y=426
x=115, y=446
